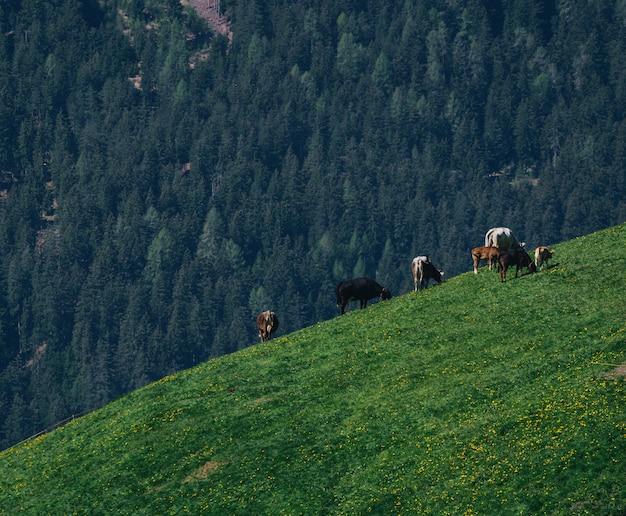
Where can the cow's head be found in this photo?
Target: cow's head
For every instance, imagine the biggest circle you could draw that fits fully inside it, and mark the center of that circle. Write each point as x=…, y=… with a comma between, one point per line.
x=437, y=275
x=385, y=294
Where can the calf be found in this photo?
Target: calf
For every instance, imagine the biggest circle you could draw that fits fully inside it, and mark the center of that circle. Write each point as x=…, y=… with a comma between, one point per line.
x=267, y=323
x=359, y=289
x=542, y=255
x=489, y=253
x=519, y=258
x=423, y=270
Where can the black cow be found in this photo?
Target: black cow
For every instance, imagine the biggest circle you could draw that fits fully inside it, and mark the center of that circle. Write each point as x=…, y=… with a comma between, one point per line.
x=519, y=258
x=359, y=289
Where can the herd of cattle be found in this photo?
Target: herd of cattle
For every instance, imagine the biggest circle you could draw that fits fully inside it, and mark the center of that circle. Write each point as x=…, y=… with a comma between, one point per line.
x=500, y=247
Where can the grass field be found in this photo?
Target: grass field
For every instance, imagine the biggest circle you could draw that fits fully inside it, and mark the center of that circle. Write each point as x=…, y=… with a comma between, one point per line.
x=472, y=397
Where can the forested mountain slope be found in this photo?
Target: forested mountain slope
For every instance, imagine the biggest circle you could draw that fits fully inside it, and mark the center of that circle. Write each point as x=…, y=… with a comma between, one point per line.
x=161, y=185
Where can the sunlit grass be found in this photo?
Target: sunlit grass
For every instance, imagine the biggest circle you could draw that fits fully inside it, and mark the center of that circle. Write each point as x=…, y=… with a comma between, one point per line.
x=472, y=397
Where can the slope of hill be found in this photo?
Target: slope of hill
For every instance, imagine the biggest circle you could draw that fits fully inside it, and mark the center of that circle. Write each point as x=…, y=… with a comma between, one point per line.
x=471, y=397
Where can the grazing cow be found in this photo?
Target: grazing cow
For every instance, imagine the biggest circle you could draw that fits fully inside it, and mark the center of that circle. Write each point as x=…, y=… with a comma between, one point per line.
x=519, y=258
x=503, y=239
x=267, y=323
x=359, y=289
x=424, y=270
x=489, y=253
x=542, y=255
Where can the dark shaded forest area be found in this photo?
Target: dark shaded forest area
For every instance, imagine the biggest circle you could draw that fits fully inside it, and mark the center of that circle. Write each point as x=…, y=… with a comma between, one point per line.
x=160, y=185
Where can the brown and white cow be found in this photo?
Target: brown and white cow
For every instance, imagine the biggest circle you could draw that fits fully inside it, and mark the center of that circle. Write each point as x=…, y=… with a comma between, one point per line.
x=517, y=257
x=542, y=255
x=267, y=323
x=423, y=270
x=489, y=253
x=503, y=239
x=359, y=289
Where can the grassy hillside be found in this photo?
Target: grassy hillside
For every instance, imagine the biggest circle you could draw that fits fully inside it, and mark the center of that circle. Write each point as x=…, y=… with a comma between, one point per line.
x=473, y=397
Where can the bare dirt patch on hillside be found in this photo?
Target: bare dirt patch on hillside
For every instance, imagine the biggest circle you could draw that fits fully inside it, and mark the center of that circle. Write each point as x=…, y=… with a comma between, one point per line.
x=617, y=373
x=203, y=471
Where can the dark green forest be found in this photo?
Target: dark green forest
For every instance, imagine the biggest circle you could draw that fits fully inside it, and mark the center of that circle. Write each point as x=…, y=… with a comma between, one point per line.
x=160, y=185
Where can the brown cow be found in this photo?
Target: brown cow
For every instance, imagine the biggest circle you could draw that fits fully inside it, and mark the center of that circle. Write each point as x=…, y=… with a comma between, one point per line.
x=519, y=258
x=488, y=252
x=542, y=255
x=267, y=323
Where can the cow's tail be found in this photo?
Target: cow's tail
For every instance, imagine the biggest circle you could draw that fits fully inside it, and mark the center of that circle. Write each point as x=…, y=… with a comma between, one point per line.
x=338, y=296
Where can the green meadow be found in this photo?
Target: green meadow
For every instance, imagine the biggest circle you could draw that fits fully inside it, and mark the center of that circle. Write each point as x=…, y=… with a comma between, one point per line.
x=471, y=397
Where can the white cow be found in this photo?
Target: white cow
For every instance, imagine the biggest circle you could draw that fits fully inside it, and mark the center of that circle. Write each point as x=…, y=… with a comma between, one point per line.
x=503, y=239
x=424, y=270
